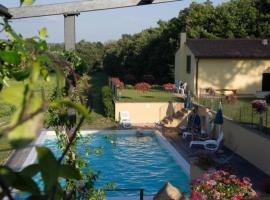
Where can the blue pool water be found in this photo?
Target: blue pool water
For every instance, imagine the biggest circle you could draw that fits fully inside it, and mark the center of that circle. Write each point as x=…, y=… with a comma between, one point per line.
x=129, y=162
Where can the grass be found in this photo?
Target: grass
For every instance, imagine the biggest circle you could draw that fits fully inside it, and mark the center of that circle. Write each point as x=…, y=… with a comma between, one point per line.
x=240, y=111
x=153, y=95
x=97, y=81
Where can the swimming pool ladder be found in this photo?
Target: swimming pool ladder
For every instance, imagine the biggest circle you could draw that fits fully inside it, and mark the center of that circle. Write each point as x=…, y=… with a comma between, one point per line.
x=123, y=190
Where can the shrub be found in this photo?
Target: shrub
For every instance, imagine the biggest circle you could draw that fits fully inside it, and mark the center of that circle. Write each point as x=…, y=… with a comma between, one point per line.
x=148, y=78
x=129, y=79
x=107, y=101
x=117, y=83
x=221, y=185
x=169, y=87
x=142, y=86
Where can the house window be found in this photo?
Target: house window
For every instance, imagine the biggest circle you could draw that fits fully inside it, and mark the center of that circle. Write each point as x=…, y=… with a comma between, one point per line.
x=188, y=64
x=266, y=82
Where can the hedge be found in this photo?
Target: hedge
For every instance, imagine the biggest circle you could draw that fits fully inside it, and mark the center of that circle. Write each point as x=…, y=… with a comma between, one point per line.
x=107, y=101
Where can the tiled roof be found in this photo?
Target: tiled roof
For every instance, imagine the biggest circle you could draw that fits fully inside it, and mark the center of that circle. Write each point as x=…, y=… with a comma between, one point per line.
x=229, y=48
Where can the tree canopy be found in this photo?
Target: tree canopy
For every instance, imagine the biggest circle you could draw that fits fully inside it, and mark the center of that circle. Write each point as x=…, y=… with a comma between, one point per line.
x=151, y=52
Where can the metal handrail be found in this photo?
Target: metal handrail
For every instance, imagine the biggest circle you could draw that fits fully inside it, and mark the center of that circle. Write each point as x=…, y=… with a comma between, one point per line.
x=133, y=189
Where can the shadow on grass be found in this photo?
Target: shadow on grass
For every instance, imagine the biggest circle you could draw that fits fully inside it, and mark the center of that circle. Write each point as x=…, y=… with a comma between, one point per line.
x=97, y=81
x=147, y=96
x=125, y=97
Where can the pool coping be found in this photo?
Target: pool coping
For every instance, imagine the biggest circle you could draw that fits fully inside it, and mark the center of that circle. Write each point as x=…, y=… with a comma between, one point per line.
x=179, y=159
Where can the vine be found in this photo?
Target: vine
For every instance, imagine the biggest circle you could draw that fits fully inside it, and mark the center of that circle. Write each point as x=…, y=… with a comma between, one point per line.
x=26, y=60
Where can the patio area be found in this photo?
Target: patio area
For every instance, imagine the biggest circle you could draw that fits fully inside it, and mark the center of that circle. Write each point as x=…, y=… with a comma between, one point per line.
x=226, y=159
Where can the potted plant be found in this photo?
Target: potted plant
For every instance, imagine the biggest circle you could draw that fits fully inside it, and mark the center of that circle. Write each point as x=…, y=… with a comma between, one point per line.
x=260, y=106
x=221, y=185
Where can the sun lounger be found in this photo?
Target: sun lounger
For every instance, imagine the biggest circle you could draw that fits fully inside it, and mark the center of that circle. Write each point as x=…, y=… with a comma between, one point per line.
x=125, y=120
x=212, y=145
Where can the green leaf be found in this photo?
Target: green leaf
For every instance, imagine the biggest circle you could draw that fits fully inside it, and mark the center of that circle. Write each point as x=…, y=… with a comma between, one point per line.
x=49, y=167
x=35, y=71
x=27, y=2
x=69, y=172
x=30, y=170
x=13, y=95
x=11, y=57
x=24, y=134
x=8, y=175
x=42, y=45
x=77, y=106
x=21, y=75
x=43, y=33
x=13, y=179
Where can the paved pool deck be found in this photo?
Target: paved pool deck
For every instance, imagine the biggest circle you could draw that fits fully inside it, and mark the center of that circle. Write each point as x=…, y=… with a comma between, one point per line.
x=234, y=163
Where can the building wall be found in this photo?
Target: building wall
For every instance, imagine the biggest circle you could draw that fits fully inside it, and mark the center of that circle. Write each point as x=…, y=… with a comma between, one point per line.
x=180, y=67
x=245, y=75
x=145, y=113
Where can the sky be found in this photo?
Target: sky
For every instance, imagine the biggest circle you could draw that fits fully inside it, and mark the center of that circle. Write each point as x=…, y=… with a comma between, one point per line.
x=99, y=25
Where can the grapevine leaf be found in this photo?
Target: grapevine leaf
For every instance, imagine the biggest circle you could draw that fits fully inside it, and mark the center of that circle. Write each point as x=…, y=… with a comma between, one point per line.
x=16, y=181
x=11, y=57
x=69, y=172
x=49, y=167
x=43, y=33
x=25, y=133
x=30, y=170
x=13, y=95
x=21, y=75
x=27, y=2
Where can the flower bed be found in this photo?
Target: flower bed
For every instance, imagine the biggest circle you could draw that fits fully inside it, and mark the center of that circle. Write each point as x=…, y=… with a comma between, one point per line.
x=169, y=87
x=142, y=86
x=117, y=83
x=221, y=185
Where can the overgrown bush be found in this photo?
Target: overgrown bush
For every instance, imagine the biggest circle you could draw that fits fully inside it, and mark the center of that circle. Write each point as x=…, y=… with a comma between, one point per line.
x=142, y=86
x=107, y=101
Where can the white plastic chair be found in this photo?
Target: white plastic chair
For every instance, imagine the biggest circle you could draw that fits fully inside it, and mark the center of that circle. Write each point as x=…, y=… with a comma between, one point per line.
x=183, y=88
x=211, y=145
x=125, y=121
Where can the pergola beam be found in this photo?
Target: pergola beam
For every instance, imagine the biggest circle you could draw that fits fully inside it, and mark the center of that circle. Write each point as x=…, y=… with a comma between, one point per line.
x=4, y=12
x=77, y=7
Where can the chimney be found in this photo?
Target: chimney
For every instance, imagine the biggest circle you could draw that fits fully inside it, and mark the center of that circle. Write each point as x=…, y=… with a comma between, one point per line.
x=265, y=42
x=183, y=39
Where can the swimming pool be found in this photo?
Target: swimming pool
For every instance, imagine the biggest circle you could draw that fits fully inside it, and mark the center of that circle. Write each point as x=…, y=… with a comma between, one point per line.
x=131, y=161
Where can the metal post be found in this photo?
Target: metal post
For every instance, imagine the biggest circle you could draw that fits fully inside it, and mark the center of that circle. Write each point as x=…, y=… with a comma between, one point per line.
x=70, y=30
x=141, y=194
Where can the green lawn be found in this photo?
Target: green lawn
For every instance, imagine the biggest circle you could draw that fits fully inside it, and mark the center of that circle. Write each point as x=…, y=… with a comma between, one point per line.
x=97, y=81
x=241, y=111
x=153, y=95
